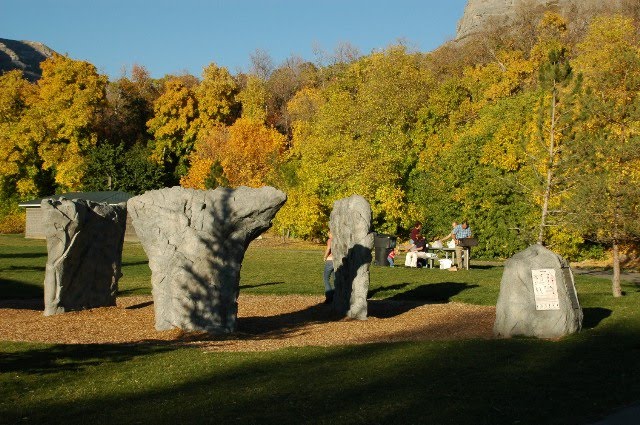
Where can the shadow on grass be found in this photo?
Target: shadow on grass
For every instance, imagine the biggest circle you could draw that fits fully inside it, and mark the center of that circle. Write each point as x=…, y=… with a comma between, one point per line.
x=135, y=263
x=480, y=266
x=475, y=381
x=441, y=292
x=24, y=268
x=140, y=290
x=372, y=292
x=25, y=255
x=593, y=316
x=60, y=358
x=15, y=289
x=261, y=284
x=433, y=293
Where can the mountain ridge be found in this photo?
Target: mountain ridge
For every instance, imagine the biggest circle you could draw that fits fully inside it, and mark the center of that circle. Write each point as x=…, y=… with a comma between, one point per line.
x=23, y=55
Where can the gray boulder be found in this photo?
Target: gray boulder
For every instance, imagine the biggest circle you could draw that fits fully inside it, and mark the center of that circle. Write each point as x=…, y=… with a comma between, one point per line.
x=350, y=225
x=537, y=296
x=196, y=241
x=84, y=245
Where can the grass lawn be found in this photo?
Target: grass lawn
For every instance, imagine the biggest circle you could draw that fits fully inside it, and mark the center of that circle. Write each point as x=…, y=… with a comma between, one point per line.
x=522, y=380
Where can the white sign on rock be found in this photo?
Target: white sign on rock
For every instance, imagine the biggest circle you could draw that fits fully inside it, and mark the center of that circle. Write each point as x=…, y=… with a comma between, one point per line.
x=545, y=289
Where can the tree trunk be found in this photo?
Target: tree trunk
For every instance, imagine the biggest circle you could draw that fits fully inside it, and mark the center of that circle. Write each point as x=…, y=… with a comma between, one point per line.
x=615, y=281
x=549, y=181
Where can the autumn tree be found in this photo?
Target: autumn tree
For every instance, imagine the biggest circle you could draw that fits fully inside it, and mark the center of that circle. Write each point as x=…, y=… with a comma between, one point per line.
x=352, y=137
x=60, y=125
x=254, y=98
x=247, y=152
x=216, y=96
x=129, y=106
x=606, y=204
x=283, y=83
x=174, y=126
x=19, y=159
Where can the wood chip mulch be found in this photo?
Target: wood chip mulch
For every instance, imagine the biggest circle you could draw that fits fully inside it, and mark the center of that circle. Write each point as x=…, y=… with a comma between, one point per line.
x=264, y=323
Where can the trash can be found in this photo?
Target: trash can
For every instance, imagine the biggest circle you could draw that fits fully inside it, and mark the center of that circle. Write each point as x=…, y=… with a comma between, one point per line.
x=383, y=245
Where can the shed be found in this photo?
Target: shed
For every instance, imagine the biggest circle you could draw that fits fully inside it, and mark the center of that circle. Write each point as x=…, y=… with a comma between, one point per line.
x=34, y=228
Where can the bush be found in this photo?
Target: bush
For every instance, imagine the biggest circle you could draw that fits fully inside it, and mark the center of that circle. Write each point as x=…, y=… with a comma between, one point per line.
x=13, y=221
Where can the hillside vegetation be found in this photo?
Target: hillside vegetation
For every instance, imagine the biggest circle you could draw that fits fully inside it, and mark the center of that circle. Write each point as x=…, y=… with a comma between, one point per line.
x=530, y=134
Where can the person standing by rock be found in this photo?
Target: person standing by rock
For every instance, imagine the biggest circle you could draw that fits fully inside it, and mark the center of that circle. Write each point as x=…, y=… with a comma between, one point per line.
x=328, y=272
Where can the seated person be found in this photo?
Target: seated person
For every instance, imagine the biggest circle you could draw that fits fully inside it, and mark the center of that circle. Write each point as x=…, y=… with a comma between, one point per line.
x=413, y=236
x=417, y=250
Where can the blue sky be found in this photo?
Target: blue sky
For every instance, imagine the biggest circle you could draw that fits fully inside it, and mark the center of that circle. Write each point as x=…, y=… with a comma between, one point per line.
x=186, y=35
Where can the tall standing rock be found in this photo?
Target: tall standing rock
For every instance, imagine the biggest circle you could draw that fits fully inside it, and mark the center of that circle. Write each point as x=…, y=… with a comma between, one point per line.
x=196, y=241
x=350, y=225
x=84, y=245
x=537, y=296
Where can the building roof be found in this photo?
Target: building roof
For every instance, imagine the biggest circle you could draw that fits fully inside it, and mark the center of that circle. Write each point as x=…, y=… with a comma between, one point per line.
x=109, y=197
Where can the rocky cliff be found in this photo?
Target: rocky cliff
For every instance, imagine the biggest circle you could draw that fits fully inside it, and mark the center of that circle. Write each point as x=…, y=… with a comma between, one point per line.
x=23, y=55
x=479, y=14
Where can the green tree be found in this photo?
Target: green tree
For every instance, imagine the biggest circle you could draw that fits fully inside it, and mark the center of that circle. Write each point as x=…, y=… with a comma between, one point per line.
x=554, y=114
x=116, y=167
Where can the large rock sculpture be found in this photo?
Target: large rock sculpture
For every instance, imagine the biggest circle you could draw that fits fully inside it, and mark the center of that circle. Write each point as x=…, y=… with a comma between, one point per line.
x=196, y=241
x=353, y=238
x=537, y=296
x=84, y=245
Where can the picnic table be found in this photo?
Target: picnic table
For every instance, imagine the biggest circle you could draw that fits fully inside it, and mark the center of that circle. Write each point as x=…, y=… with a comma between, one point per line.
x=448, y=251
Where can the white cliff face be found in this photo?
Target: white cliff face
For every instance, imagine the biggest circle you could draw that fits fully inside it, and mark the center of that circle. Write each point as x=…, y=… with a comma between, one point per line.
x=479, y=13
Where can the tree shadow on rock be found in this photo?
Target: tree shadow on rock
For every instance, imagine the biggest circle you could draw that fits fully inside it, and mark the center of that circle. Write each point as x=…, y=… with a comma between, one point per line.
x=354, y=266
x=212, y=281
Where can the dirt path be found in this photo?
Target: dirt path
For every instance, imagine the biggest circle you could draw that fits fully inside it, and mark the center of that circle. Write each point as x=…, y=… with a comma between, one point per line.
x=264, y=323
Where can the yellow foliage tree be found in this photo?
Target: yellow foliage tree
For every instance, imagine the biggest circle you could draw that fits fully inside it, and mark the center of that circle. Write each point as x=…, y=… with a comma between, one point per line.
x=352, y=136
x=174, y=125
x=607, y=204
x=16, y=156
x=246, y=150
x=216, y=97
x=61, y=119
x=254, y=98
